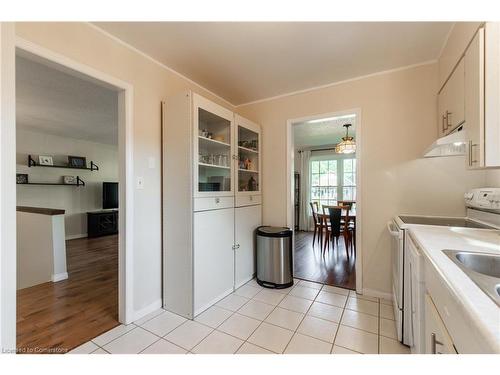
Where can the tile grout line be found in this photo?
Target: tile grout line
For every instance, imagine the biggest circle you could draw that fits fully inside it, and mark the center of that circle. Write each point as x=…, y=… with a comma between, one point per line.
x=294, y=332
x=338, y=328
x=117, y=337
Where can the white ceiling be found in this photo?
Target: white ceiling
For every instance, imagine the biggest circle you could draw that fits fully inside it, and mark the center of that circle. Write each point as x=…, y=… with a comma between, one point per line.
x=325, y=133
x=244, y=62
x=55, y=102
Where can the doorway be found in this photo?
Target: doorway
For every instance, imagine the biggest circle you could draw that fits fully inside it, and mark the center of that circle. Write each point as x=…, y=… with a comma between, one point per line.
x=96, y=293
x=323, y=164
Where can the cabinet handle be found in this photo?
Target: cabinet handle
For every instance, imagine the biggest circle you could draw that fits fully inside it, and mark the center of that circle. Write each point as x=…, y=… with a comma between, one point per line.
x=217, y=200
x=448, y=120
x=471, y=150
x=442, y=123
x=434, y=342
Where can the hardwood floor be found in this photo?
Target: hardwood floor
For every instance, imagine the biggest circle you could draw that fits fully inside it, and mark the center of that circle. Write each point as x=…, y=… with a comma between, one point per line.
x=332, y=268
x=57, y=317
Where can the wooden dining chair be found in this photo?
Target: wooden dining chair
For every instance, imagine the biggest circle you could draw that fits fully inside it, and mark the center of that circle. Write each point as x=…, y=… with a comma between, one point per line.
x=318, y=224
x=338, y=226
x=349, y=203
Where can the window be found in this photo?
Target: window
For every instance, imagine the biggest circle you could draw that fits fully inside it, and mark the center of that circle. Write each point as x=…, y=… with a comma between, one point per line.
x=349, y=179
x=333, y=180
x=324, y=182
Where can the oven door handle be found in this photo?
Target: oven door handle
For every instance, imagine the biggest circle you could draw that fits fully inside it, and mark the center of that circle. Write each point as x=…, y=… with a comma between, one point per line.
x=394, y=233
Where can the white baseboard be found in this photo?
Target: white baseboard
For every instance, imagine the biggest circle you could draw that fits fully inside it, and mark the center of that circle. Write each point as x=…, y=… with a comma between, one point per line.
x=146, y=310
x=199, y=310
x=377, y=293
x=244, y=282
x=75, y=236
x=59, y=276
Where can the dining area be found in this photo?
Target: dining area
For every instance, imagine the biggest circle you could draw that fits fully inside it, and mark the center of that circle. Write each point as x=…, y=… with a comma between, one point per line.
x=331, y=222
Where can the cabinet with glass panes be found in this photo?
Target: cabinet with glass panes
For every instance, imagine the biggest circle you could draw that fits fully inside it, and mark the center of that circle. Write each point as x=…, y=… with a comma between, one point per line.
x=248, y=159
x=214, y=149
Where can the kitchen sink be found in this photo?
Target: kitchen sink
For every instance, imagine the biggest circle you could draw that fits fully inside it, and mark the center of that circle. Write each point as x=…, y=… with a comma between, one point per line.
x=482, y=268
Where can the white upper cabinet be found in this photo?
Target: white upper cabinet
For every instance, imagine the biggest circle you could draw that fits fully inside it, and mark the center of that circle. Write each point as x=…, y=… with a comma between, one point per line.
x=482, y=98
x=248, y=161
x=492, y=95
x=213, y=149
x=451, y=101
x=474, y=100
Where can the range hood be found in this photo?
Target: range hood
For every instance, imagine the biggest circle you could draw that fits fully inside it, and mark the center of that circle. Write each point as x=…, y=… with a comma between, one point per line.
x=451, y=145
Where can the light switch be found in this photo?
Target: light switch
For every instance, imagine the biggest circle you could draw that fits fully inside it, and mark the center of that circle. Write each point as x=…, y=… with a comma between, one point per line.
x=151, y=162
x=140, y=183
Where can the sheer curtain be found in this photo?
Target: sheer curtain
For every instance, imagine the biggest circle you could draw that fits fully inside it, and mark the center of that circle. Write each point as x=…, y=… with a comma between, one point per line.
x=305, y=189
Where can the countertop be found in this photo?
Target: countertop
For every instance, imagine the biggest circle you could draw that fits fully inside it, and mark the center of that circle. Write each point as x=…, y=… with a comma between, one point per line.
x=41, y=210
x=483, y=312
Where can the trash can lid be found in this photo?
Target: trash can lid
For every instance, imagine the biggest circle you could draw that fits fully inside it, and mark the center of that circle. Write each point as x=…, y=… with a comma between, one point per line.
x=268, y=231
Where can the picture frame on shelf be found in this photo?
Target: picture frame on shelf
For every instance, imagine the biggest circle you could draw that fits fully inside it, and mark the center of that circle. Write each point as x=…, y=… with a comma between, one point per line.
x=69, y=180
x=77, y=161
x=45, y=160
x=21, y=178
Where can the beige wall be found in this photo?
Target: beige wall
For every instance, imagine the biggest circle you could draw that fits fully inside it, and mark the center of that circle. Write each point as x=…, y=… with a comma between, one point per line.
x=152, y=83
x=398, y=112
x=493, y=178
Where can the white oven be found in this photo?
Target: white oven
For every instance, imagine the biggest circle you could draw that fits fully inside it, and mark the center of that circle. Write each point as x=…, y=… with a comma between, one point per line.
x=398, y=274
x=483, y=211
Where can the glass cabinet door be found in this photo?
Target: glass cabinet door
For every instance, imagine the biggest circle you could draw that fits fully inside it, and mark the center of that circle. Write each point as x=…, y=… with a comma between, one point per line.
x=214, y=152
x=248, y=162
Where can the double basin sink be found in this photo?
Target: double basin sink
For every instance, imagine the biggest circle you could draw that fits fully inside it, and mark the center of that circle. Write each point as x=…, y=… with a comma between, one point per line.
x=482, y=268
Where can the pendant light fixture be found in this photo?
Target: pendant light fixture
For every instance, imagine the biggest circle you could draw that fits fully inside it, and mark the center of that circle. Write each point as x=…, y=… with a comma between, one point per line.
x=347, y=145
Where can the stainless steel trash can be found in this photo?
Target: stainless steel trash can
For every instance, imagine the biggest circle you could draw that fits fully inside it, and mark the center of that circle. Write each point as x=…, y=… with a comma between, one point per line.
x=274, y=257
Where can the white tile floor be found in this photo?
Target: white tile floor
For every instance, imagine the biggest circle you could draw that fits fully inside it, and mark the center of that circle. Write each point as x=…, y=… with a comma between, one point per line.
x=307, y=318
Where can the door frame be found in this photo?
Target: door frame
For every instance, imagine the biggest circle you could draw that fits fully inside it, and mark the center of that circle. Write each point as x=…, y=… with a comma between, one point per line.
x=359, y=186
x=125, y=92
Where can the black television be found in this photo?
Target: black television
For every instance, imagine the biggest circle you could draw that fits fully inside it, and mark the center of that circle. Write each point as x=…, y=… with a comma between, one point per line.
x=109, y=195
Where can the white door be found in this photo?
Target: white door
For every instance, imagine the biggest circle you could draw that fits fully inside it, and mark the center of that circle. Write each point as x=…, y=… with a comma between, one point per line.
x=213, y=257
x=247, y=219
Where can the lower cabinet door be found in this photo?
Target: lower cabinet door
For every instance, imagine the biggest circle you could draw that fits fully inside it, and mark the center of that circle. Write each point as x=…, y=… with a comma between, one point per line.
x=437, y=338
x=213, y=257
x=246, y=221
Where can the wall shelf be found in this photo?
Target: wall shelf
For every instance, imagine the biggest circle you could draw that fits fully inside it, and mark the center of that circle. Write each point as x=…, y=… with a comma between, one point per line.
x=33, y=163
x=79, y=182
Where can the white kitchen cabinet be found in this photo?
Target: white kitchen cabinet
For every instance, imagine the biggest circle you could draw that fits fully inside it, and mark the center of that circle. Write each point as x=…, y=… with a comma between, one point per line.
x=482, y=89
x=451, y=101
x=437, y=338
x=248, y=197
x=213, y=257
x=474, y=100
x=492, y=95
x=201, y=185
x=247, y=219
x=416, y=281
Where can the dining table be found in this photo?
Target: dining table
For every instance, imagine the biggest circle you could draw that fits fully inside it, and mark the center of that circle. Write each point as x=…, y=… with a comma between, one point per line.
x=323, y=218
